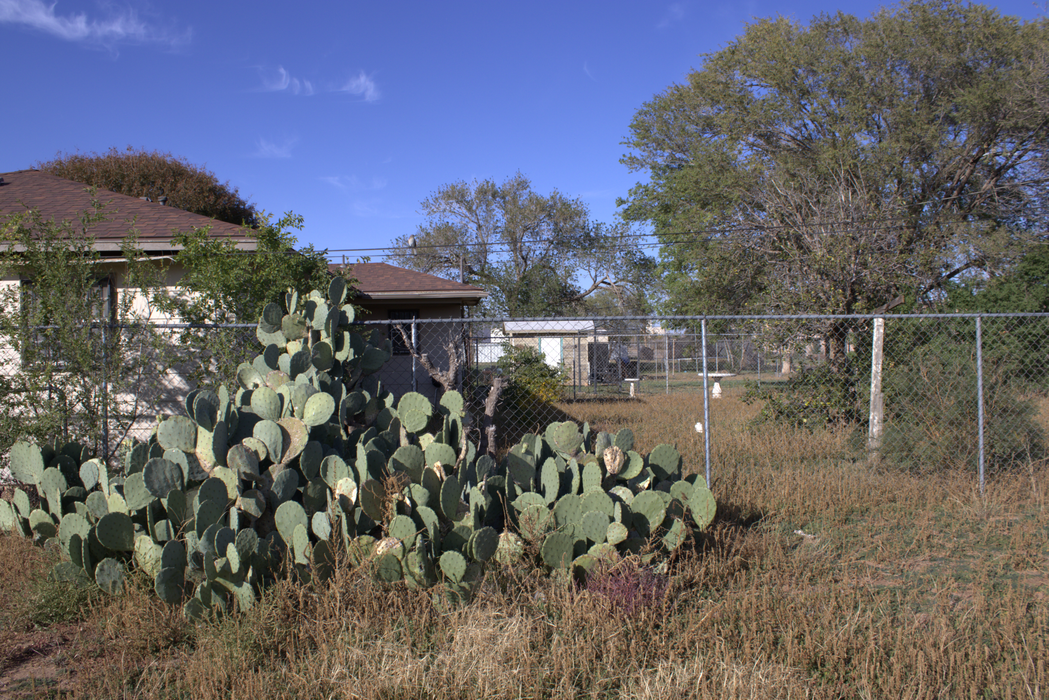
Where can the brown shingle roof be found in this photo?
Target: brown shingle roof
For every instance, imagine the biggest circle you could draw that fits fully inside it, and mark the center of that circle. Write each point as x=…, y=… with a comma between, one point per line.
x=65, y=200
x=381, y=281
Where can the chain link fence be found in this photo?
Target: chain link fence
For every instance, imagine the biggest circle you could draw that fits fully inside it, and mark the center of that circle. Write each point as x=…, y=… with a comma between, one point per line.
x=920, y=391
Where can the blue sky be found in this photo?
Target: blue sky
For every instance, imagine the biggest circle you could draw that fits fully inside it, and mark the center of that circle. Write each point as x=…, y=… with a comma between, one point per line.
x=351, y=113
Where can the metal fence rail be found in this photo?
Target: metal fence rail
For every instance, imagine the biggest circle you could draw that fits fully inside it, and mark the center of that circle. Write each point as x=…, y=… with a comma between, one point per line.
x=920, y=390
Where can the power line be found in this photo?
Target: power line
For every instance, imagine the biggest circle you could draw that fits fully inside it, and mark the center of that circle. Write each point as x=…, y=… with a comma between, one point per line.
x=842, y=226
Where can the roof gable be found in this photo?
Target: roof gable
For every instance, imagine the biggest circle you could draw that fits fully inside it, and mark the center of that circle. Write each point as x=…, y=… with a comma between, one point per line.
x=65, y=200
x=381, y=281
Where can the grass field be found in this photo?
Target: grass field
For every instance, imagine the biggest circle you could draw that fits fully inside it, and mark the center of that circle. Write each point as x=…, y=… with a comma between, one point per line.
x=822, y=578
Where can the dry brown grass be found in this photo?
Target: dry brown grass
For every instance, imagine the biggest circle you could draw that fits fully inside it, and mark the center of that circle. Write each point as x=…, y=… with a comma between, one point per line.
x=824, y=578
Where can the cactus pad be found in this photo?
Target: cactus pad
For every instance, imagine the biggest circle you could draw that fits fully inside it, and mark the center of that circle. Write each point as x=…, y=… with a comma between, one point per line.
x=616, y=533
x=557, y=550
x=409, y=459
x=565, y=437
x=592, y=477
x=439, y=452
x=675, y=535
x=284, y=485
x=177, y=433
x=534, y=521
x=333, y=470
x=42, y=524
x=550, y=478
x=109, y=575
x=624, y=440
x=266, y=403
x=372, y=496
x=649, y=511
x=453, y=566
x=449, y=501
x=270, y=433
x=243, y=461
x=27, y=463
x=89, y=473
x=161, y=476
x=568, y=510
x=483, y=544
x=703, y=506
x=52, y=486
x=295, y=435
x=665, y=462
x=288, y=516
x=594, y=526
x=148, y=555
x=452, y=403
x=116, y=532
x=319, y=409
x=170, y=585
x=389, y=568
x=403, y=528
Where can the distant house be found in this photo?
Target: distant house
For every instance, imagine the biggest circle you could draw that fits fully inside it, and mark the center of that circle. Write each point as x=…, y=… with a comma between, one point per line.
x=581, y=347
x=425, y=307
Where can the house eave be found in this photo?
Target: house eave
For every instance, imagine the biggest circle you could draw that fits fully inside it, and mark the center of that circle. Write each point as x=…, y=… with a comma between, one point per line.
x=470, y=300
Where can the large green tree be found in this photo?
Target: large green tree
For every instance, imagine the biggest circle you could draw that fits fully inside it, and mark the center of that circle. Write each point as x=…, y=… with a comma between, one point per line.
x=537, y=255
x=833, y=167
x=222, y=284
x=141, y=173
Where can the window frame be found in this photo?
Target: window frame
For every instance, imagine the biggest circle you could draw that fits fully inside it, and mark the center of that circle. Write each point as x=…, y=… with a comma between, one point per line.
x=399, y=347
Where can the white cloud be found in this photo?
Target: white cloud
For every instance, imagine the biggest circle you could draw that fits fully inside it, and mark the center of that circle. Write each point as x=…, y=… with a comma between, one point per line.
x=264, y=148
x=675, y=13
x=361, y=85
x=352, y=182
x=283, y=80
x=122, y=27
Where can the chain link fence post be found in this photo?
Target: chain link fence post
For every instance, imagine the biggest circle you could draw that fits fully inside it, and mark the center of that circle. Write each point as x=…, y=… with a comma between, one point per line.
x=979, y=398
x=706, y=402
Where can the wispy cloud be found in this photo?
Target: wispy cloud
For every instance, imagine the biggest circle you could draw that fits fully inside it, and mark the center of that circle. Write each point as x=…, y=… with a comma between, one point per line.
x=363, y=85
x=586, y=69
x=119, y=27
x=264, y=148
x=283, y=80
x=674, y=14
x=354, y=183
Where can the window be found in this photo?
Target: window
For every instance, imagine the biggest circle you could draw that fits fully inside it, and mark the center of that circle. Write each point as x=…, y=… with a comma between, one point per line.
x=41, y=343
x=396, y=339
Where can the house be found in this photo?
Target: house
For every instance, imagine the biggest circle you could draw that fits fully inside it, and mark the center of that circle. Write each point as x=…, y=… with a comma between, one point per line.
x=428, y=309
x=578, y=345
x=134, y=399
x=426, y=306
x=154, y=224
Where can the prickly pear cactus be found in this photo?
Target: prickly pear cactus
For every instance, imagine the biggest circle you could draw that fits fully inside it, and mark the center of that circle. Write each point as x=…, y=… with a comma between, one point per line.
x=310, y=455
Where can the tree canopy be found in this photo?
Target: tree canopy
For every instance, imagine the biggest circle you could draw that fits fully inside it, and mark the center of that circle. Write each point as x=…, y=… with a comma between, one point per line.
x=833, y=167
x=537, y=255
x=140, y=173
x=224, y=284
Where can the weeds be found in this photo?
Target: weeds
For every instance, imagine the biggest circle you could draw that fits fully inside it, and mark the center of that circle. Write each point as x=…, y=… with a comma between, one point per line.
x=822, y=578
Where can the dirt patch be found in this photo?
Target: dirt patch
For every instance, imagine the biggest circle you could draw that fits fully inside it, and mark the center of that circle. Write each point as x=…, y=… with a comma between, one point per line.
x=36, y=660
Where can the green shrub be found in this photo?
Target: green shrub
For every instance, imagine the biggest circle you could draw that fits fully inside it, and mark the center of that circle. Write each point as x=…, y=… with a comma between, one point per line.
x=531, y=378
x=813, y=397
